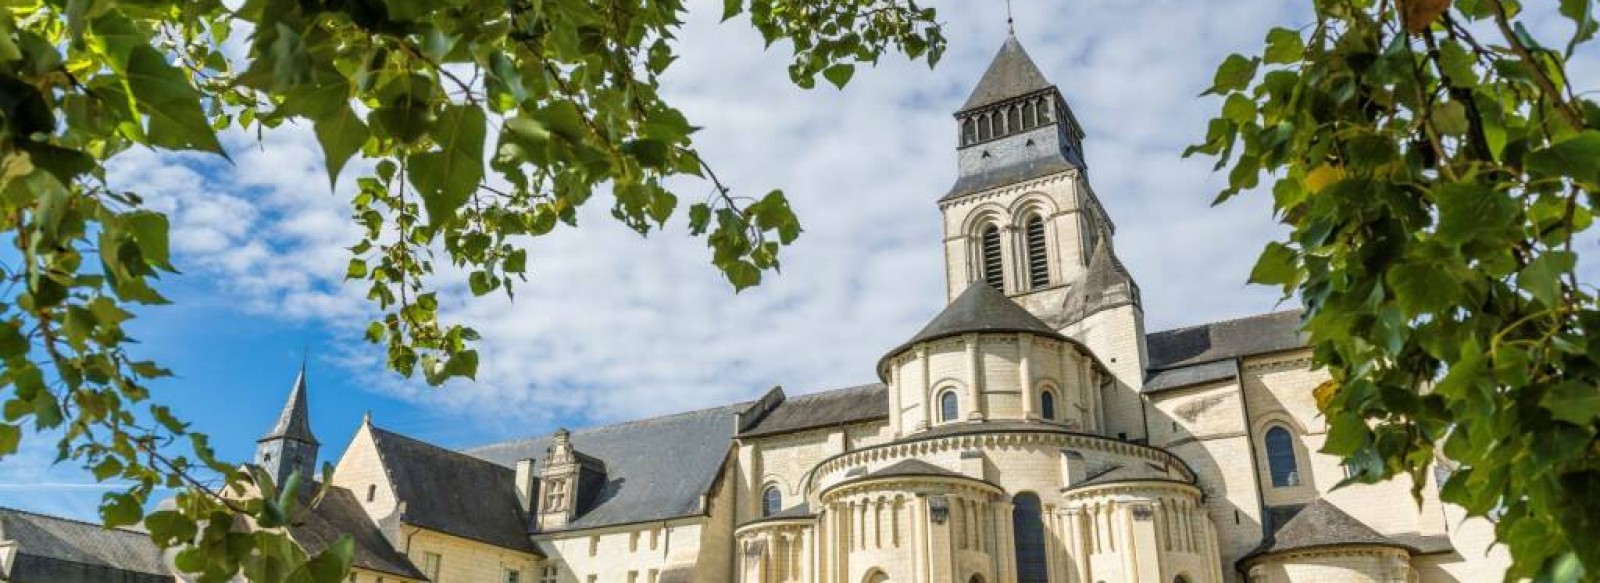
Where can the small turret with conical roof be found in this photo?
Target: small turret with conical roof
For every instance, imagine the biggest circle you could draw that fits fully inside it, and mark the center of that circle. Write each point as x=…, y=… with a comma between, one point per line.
x=290, y=446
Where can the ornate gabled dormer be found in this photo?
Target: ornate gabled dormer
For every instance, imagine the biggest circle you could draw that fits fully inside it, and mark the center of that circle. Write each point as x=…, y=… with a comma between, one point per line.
x=289, y=446
x=569, y=481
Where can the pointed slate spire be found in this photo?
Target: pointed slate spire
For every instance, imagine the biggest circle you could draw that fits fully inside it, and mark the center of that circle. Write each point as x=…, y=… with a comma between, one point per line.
x=1011, y=74
x=295, y=420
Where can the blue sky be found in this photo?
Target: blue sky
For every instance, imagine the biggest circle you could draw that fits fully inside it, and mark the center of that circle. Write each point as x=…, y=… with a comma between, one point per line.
x=615, y=327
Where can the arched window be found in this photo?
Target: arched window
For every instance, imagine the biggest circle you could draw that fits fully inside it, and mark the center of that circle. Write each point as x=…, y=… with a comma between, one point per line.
x=985, y=131
x=1038, y=257
x=993, y=268
x=1030, y=115
x=1028, y=527
x=1180, y=579
x=876, y=576
x=969, y=131
x=1047, y=405
x=771, y=501
x=949, y=406
x=997, y=124
x=1280, y=458
x=1014, y=119
x=976, y=578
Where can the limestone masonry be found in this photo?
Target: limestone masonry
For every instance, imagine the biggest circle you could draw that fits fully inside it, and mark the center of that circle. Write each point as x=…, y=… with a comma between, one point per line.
x=1032, y=432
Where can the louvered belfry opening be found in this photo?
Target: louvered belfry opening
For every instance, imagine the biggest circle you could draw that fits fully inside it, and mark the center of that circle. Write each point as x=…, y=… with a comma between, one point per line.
x=1038, y=262
x=993, y=267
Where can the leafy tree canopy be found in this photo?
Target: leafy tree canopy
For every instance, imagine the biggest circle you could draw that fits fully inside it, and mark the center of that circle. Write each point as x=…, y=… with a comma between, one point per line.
x=557, y=99
x=1436, y=168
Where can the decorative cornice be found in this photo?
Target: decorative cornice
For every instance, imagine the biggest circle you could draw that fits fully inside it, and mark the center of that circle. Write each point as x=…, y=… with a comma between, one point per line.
x=1001, y=191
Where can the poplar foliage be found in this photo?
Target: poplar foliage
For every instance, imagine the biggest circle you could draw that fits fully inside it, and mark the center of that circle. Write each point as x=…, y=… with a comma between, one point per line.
x=1438, y=171
x=554, y=100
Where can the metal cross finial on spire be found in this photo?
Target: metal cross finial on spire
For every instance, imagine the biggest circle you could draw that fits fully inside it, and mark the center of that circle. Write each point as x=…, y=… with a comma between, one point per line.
x=1011, y=24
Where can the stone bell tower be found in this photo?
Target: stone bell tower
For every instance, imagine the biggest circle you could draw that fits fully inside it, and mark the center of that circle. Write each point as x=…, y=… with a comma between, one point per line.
x=1023, y=219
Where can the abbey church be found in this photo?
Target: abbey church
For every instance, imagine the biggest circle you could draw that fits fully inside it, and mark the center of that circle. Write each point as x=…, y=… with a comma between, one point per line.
x=1033, y=431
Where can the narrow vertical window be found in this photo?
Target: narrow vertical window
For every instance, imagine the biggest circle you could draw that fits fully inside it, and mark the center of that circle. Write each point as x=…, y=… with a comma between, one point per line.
x=969, y=131
x=1030, y=115
x=372, y=492
x=1047, y=405
x=1280, y=458
x=771, y=501
x=993, y=267
x=949, y=406
x=997, y=124
x=1038, y=255
x=1086, y=234
x=1027, y=523
x=985, y=130
x=1014, y=119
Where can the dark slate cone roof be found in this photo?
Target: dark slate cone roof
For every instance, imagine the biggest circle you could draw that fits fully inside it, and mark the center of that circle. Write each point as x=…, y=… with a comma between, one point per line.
x=295, y=420
x=1316, y=525
x=43, y=539
x=454, y=493
x=981, y=308
x=1133, y=472
x=1011, y=74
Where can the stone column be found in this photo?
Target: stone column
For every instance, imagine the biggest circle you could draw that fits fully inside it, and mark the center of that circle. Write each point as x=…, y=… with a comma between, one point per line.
x=1144, y=547
x=927, y=388
x=918, y=540
x=1030, y=406
x=974, y=377
x=896, y=384
x=1007, y=549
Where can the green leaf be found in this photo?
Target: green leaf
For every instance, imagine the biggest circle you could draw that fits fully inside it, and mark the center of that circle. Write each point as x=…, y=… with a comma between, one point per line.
x=149, y=230
x=448, y=176
x=165, y=95
x=1421, y=287
x=1577, y=157
x=1468, y=211
x=839, y=74
x=1234, y=74
x=341, y=134
x=1284, y=46
x=120, y=509
x=333, y=563
x=1542, y=276
x=1277, y=266
x=1239, y=109
x=10, y=437
x=1573, y=401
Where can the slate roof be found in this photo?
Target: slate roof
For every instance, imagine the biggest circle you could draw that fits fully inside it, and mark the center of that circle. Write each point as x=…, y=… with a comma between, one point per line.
x=295, y=420
x=454, y=493
x=1188, y=376
x=825, y=409
x=83, y=543
x=1050, y=163
x=339, y=513
x=1011, y=74
x=979, y=308
x=1261, y=334
x=657, y=468
x=1134, y=472
x=1315, y=525
x=911, y=467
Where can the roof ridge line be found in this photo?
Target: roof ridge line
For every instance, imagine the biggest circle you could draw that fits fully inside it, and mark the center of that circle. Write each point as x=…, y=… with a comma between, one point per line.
x=435, y=446
x=1225, y=321
x=592, y=428
x=74, y=520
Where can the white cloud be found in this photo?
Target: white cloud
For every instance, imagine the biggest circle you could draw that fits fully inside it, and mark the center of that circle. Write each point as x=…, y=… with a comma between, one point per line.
x=612, y=326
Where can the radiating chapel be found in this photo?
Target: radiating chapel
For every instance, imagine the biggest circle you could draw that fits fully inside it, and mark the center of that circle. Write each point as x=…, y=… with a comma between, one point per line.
x=1033, y=431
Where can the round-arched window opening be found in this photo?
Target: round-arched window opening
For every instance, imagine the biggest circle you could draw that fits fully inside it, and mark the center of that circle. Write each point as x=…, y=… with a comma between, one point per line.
x=1047, y=405
x=949, y=407
x=771, y=501
x=1180, y=579
x=1038, y=254
x=1281, y=462
x=1027, y=526
x=990, y=260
